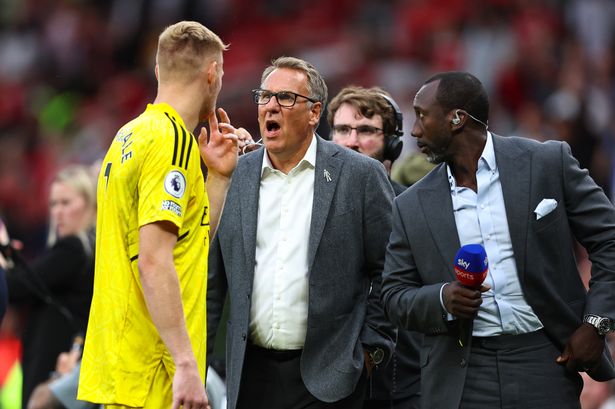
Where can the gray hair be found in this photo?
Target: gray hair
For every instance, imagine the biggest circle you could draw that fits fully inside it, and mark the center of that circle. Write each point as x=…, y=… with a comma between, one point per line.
x=316, y=84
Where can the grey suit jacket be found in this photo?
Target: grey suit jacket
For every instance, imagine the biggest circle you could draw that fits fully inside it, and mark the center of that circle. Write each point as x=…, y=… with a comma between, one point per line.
x=350, y=226
x=424, y=242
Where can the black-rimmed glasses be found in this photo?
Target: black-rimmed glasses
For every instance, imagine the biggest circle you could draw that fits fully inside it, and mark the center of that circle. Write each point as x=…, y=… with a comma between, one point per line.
x=285, y=98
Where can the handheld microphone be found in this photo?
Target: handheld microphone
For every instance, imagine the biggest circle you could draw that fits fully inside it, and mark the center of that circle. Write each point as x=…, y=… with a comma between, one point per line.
x=471, y=265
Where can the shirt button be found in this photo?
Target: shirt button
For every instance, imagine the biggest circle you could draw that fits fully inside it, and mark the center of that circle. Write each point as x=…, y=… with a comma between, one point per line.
x=276, y=326
x=462, y=363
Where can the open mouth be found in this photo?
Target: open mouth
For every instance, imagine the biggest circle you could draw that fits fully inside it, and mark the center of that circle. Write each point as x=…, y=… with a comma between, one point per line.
x=272, y=126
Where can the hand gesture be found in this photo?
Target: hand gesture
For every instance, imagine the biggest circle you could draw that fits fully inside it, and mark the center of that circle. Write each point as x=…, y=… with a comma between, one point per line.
x=188, y=388
x=583, y=351
x=67, y=361
x=461, y=301
x=220, y=150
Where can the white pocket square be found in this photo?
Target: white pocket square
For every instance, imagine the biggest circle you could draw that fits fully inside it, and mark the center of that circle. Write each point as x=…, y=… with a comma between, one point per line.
x=545, y=207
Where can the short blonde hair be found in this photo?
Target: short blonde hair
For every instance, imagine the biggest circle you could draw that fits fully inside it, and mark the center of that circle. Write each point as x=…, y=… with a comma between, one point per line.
x=81, y=179
x=182, y=48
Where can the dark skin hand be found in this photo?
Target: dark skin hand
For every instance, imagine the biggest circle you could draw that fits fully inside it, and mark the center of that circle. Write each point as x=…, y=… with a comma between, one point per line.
x=461, y=301
x=583, y=351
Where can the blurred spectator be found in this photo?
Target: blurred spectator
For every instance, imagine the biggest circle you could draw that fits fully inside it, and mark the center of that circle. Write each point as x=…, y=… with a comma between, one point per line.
x=594, y=393
x=60, y=390
x=55, y=291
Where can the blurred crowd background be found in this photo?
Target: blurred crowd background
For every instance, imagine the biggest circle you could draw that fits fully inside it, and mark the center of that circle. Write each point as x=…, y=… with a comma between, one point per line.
x=73, y=71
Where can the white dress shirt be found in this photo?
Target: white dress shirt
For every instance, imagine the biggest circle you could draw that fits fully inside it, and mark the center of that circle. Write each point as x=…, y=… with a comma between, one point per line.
x=278, y=315
x=481, y=219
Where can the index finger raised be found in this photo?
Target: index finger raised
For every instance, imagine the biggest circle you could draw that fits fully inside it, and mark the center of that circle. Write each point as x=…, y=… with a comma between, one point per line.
x=223, y=116
x=213, y=122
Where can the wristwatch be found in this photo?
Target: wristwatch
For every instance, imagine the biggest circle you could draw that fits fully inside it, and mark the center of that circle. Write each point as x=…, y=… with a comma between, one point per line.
x=603, y=325
x=376, y=356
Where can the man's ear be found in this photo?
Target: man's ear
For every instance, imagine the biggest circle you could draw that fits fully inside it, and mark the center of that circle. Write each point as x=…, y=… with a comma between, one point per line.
x=212, y=72
x=315, y=112
x=156, y=72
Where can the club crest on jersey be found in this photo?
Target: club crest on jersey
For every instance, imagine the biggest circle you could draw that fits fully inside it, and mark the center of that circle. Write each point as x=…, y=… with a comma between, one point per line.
x=175, y=184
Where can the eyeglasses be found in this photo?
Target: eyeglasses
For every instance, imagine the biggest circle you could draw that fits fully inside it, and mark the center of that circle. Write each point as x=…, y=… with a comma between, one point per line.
x=285, y=98
x=363, y=131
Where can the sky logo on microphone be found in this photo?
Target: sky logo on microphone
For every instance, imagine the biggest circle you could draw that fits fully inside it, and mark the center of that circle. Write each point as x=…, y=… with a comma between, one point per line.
x=471, y=265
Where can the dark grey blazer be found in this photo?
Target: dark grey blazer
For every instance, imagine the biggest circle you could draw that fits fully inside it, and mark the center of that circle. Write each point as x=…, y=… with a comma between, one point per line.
x=424, y=242
x=351, y=222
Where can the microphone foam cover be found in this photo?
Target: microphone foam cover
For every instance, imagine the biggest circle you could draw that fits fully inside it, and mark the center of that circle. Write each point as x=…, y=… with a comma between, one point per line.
x=471, y=265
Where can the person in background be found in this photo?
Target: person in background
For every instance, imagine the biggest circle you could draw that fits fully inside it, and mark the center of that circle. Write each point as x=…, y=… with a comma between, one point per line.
x=411, y=168
x=4, y=249
x=369, y=121
x=60, y=390
x=300, y=249
x=521, y=339
x=55, y=290
x=146, y=340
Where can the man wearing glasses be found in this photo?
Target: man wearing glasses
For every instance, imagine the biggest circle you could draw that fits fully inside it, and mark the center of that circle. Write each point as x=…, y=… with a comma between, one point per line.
x=367, y=121
x=300, y=249
x=370, y=122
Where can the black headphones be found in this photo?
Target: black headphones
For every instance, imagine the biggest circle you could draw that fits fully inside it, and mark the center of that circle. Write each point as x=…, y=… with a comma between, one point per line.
x=393, y=143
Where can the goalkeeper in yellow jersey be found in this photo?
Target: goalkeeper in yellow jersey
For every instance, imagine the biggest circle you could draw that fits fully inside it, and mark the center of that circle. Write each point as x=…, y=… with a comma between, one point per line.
x=145, y=344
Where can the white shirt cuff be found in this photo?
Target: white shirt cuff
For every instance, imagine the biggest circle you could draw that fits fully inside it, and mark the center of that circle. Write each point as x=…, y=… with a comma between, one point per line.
x=449, y=316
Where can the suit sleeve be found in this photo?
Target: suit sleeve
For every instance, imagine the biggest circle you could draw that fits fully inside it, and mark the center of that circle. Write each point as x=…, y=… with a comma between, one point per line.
x=408, y=302
x=216, y=293
x=592, y=219
x=377, y=331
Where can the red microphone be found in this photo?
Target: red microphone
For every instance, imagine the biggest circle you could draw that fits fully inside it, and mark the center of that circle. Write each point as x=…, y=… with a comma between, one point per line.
x=471, y=265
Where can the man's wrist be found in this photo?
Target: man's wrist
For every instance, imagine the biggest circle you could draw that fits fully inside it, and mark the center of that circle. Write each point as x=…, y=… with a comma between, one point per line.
x=213, y=176
x=603, y=325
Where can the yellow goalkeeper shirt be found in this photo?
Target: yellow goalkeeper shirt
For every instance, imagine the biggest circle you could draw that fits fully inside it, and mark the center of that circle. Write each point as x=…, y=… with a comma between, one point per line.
x=151, y=173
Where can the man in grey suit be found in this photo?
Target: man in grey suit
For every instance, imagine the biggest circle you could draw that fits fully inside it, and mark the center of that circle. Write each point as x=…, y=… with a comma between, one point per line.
x=300, y=251
x=520, y=340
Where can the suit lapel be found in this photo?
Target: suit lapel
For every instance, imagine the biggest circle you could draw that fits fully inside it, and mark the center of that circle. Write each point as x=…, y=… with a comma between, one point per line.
x=437, y=207
x=326, y=176
x=514, y=168
x=249, y=187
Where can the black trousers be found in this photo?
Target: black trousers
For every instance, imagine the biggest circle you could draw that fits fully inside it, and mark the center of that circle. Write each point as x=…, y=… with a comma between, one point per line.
x=518, y=372
x=272, y=380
